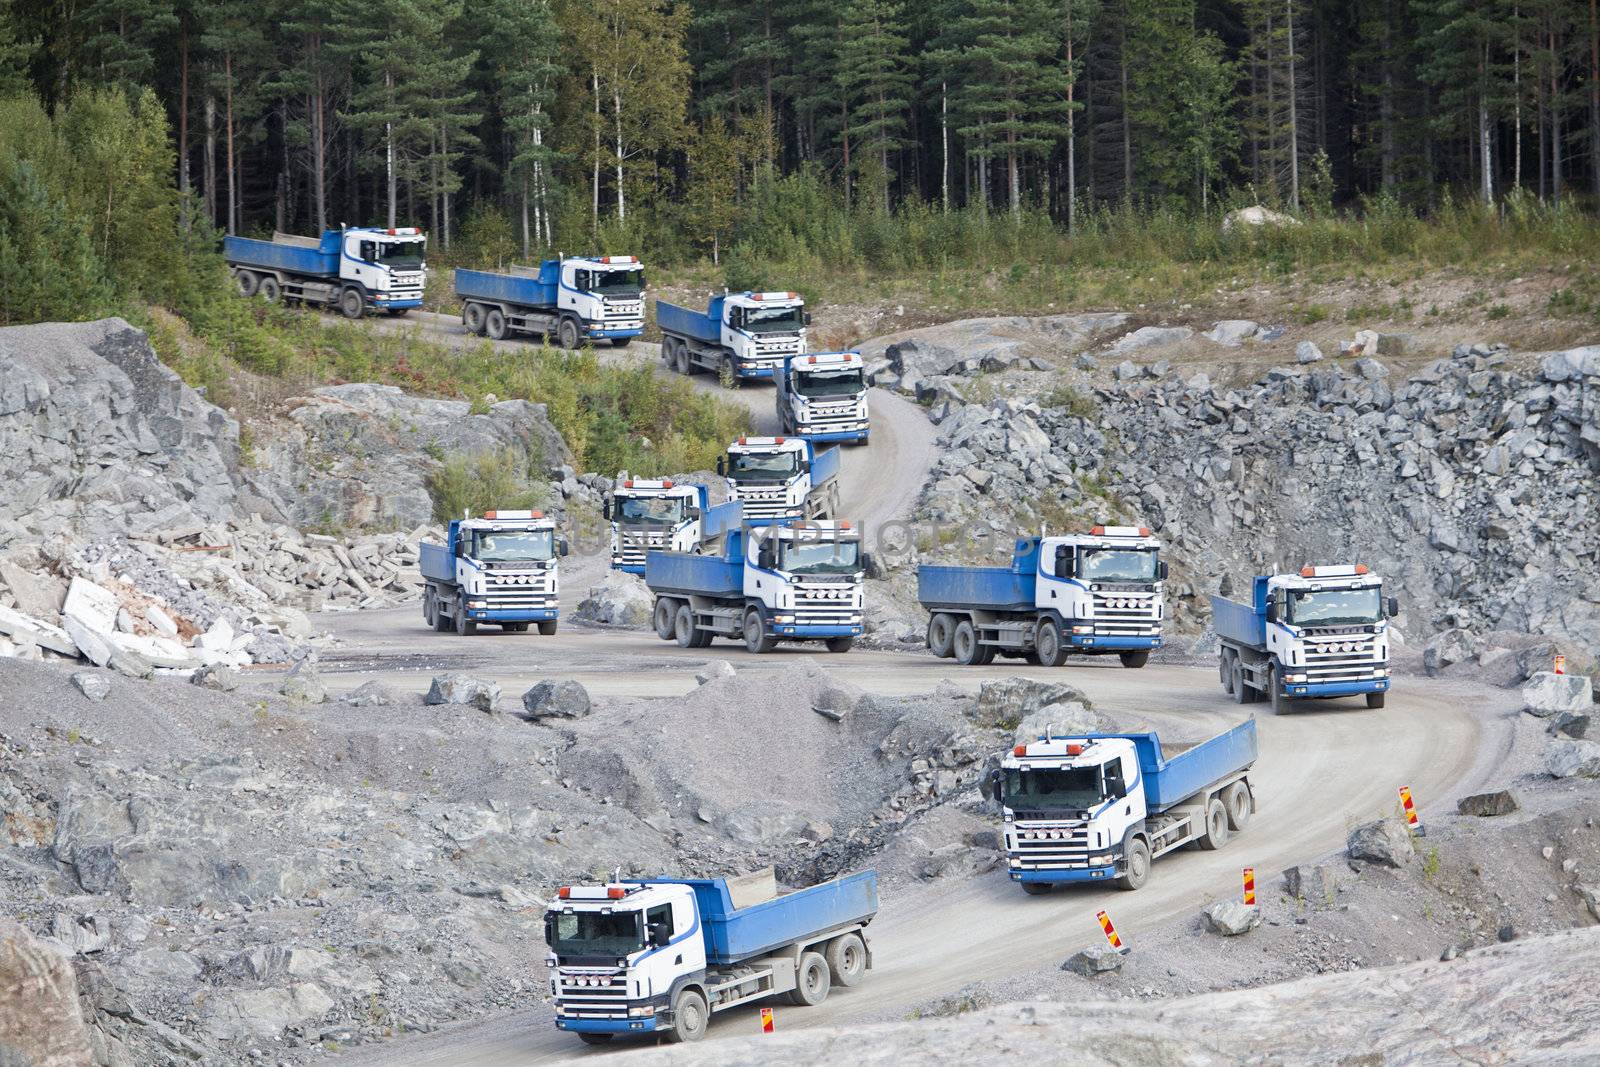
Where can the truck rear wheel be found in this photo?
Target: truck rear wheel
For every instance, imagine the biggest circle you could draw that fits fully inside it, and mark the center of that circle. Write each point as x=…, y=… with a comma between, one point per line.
x=1047, y=643
x=756, y=639
x=1225, y=669
x=472, y=318
x=665, y=618
x=1134, y=659
x=1237, y=800
x=684, y=630
x=1136, y=865
x=1242, y=693
x=269, y=290
x=494, y=324
x=248, y=281
x=430, y=609
x=847, y=960
x=941, y=632
x=812, y=981
x=965, y=645
x=567, y=335
x=689, y=1017
x=1375, y=700
x=352, y=304
x=1216, y=828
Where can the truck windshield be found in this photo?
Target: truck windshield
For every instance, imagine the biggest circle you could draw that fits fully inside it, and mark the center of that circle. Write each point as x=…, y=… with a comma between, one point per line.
x=405, y=255
x=1072, y=787
x=592, y=933
x=774, y=320
x=819, y=557
x=1335, y=607
x=763, y=466
x=650, y=510
x=512, y=546
x=1117, y=564
x=818, y=383
x=618, y=283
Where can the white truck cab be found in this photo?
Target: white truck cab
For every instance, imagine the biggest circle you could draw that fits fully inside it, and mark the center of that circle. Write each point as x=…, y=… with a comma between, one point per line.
x=807, y=576
x=605, y=292
x=1107, y=585
x=500, y=569
x=389, y=264
x=653, y=515
x=781, y=477
x=763, y=328
x=823, y=396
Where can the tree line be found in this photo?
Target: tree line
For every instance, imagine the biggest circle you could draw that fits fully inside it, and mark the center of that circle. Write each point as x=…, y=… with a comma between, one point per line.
x=522, y=124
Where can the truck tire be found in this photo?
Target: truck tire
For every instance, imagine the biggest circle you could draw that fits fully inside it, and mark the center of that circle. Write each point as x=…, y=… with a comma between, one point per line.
x=1216, y=827
x=1136, y=865
x=494, y=324
x=1135, y=659
x=472, y=318
x=756, y=639
x=1236, y=798
x=684, y=630
x=430, y=609
x=1375, y=700
x=1036, y=889
x=941, y=632
x=728, y=373
x=596, y=1039
x=1048, y=644
x=546, y=628
x=847, y=960
x=248, y=281
x=567, y=335
x=465, y=627
x=840, y=644
x=665, y=617
x=352, y=305
x=621, y=342
x=1275, y=693
x=689, y=1017
x=1240, y=689
x=1225, y=671
x=968, y=652
x=812, y=981
x=269, y=290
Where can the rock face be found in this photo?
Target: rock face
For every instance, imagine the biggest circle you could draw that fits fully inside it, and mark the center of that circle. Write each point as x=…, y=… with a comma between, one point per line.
x=1386, y=841
x=101, y=438
x=41, y=1024
x=1014, y=699
x=1230, y=918
x=1548, y=693
x=358, y=456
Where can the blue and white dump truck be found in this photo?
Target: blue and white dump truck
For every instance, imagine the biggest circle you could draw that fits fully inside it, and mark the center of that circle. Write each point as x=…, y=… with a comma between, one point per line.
x=498, y=569
x=1093, y=594
x=738, y=336
x=1101, y=807
x=658, y=515
x=1321, y=633
x=793, y=580
x=781, y=478
x=823, y=397
x=568, y=300
x=658, y=957
x=353, y=269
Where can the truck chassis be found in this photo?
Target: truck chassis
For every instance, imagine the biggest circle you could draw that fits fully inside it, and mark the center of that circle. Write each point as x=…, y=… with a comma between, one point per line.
x=974, y=637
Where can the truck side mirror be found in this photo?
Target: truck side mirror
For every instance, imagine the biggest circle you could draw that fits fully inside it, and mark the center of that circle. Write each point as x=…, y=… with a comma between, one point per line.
x=868, y=562
x=805, y=317
x=991, y=784
x=722, y=466
x=461, y=547
x=1161, y=571
x=605, y=510
x=1393, y=607
x=562, y=547
x=659, y=936
x=1272, y=611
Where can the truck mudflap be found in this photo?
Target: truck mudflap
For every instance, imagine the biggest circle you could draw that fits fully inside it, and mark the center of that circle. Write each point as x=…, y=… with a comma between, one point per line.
x=513, y=614
x=1337, y=689
x=1072, y=874
x=606, y=1026
x=1090, y=641
x=814, y=630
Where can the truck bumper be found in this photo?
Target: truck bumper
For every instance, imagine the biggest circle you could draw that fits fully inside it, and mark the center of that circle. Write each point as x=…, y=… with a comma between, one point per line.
x=1093, y=641
x=836, y=435
x=754, y=372
x=513, y=614
x=830, y=630
x=601, y=331
x=1337, y=689
x=1075, y=874
x=631, y=568
x=379, y=301
x=606, y=1026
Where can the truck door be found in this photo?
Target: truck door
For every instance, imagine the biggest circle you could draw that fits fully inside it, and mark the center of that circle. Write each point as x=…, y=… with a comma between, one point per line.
x=360, y=264
x=574, y=283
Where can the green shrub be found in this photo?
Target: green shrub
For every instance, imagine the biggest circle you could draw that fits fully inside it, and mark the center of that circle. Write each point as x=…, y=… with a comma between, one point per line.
x=478, y=482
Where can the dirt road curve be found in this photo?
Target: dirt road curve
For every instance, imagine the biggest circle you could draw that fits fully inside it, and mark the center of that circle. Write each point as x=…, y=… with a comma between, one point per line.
x=1321, y=769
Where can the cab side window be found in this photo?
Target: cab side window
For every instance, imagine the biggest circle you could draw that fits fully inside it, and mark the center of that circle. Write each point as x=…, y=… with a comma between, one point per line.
x=661, y=914
x=1116, y=784
x=580, y=280
x=369, y=251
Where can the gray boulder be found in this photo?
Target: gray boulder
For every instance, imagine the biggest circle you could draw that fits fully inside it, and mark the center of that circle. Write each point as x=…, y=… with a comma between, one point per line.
x=454, y=688
x=1386, y=841
x=1485, y=805
x=1565, y=757
x=1230, y=918
x=1575, y=724
x=216, y=677
x=1445, y=649
x=714, y=669
x=94, y=686
x=41, y=1019
x=1012, y=700
x=620, y=599
x=1097, y=959
x=1307, y=352
x=1548, y=693
x=551, y=699
x=1061, y=719
x=373, y=694
x=1231, y=333
x=1151, y=336
x=304, y=683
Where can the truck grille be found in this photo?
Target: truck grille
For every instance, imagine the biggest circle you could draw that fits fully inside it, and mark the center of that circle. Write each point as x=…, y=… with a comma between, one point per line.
x=1126, y=614
x=1341, y=658
x=632, y=551
x=575, y=995
x=826, y=605
x=1038, y=846
x=520, y=591
x=763, y=504
x=824, y=418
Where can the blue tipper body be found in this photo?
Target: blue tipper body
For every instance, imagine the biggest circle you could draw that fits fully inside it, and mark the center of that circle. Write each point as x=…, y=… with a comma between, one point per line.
x=320, y=261
x=989, y=588
x=825, y=464
x=716, y=521
x=695, y=575
x=522, y=289
x=701, y=325
x=437, y=561
x=1168, y=782
x=1244, y=623
x=733, y=935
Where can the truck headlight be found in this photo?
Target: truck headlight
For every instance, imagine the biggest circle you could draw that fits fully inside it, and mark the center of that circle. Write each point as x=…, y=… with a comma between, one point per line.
x=474, y=603
x=646, y=1010
x=1083, y=629
x=783, y=618
x=1295, y=678
x=1381, y=672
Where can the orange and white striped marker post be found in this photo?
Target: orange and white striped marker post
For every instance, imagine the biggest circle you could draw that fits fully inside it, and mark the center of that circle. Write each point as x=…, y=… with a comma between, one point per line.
x=1561, y=664
x=1111, y=932
x=1414, y=823
x=766, y=1020
x=1250, y=886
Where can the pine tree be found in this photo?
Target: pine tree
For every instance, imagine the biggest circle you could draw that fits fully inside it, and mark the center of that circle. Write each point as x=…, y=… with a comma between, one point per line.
x=1180, y=100
x=46, y=257
x=1457, y=41
x=1077, y=17
x=715, y=161
x=16, y=51
x=314, y=72
x=874, y=79
x=235, y=36
x=122, y=38
x=523, y=53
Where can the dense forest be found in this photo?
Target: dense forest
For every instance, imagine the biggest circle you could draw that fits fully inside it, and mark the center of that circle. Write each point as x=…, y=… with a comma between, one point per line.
x=528, y=123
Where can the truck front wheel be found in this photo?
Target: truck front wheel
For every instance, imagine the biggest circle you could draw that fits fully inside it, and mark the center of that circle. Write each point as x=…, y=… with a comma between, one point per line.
x=840, y=644
x=546, y=629
x=1136, y=870
x=1048, y=644
x=689, y=1016
x=811, y=981
x=1134, y=659
x=464, y=626
x=595, y=1039
x=1036, y=889
x=352, y=304
x=941, y=632
x=756, y=639
x=1275, y=692
x=1375, y=700
x=567, y=335
x=621, y=342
